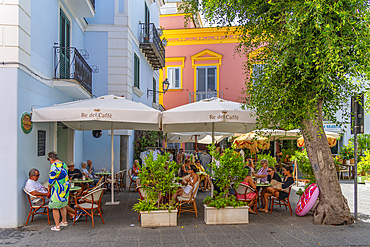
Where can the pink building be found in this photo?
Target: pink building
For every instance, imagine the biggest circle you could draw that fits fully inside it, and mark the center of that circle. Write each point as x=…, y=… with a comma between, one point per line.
x=200, y=63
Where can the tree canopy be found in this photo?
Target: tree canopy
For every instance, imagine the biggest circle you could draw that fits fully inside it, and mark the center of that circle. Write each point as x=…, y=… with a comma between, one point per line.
x=310, y=51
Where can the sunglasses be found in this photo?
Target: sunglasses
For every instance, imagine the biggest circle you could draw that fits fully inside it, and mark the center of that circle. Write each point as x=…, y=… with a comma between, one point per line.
x=269, y=170
x=38, y=175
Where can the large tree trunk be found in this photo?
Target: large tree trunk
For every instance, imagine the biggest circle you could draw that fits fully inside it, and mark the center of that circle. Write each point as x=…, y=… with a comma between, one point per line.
x=333, y=207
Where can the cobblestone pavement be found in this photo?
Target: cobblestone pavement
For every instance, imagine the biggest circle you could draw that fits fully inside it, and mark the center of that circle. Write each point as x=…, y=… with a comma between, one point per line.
x=121, y=228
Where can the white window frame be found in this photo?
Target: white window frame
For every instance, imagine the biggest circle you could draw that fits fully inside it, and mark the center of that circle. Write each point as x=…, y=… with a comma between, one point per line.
x=172, y=84
x=216, y=82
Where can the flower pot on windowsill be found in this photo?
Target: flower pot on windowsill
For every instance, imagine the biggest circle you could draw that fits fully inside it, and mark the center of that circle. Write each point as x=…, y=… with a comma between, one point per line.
x=348, y=162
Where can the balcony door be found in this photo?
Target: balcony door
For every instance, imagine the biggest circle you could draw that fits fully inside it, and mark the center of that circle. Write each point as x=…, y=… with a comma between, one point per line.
x=65, y=51
x=147, y=26
x=206, y=82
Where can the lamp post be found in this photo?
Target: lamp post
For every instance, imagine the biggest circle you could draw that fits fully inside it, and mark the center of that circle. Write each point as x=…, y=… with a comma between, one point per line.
x=165, y=84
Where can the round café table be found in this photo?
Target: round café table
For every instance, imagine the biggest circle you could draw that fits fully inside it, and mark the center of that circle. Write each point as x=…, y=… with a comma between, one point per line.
x=73, y=194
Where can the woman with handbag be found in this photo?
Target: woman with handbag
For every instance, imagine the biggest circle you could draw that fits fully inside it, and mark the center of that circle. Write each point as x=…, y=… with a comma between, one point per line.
x=277, y=187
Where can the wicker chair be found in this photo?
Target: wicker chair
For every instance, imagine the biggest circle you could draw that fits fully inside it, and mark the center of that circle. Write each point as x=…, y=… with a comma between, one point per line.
x=244, y=190
x=90, y=202
x=187, y=204
x=132, y=181
x=34, y=208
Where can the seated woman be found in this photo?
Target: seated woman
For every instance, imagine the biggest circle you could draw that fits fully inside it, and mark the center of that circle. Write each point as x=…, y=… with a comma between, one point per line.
x=135, y=170
x=251, y=195
x=282, y=195
x=184, y=171
x=190, y=182
x=204, y=177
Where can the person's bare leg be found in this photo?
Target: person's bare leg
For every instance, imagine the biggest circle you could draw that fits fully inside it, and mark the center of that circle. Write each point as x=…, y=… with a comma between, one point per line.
x=56, y=217
x=64, y=214
x=266, y=196
x=70, y=211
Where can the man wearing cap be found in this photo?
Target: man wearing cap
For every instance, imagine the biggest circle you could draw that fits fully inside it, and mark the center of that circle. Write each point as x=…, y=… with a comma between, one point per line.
x=72, y=172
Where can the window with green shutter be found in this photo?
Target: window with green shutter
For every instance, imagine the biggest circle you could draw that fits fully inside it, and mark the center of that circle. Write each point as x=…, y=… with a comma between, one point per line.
x=154, y=90
x=136, y=71
x=65, y=30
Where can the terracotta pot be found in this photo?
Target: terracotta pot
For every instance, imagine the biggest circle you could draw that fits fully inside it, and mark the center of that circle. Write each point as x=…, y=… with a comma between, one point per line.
x=352, y=161
x=340, y=161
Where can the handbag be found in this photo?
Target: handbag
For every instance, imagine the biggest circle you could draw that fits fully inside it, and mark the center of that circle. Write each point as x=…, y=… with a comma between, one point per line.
x=276, y=185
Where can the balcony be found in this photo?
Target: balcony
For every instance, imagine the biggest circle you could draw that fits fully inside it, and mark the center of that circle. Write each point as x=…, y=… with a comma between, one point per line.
x=72, y=73
x=151, y=45
x=81, y=8
x=197, y=96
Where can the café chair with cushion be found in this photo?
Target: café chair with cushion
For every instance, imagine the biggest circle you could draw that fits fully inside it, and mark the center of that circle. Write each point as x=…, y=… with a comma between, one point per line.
x=132, y=181
x=34, y=208
x=90, y=202
x=187, y=204
x=241, y=195
x=121, y=179
x=286, y=202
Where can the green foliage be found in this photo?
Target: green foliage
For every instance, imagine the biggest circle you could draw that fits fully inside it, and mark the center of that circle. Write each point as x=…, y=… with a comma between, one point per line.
x=363, y=166
x=363, y=143
x=300, y=192
x=313, y=51
x=347, y=151
x=287, y=154
x=229, y=168
x=221, y=201
x=145, y=139
x=304, y=165
x=271, y=160
x=156, y=178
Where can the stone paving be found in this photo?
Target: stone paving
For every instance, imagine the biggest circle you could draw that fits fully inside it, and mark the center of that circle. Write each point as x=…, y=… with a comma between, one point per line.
x=121, y=228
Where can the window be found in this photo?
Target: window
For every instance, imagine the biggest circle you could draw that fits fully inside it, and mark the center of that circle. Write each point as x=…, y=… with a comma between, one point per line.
x=154, y=90
x=65, y=31
x=136, y=71
x=206, y=82
x=173, y=76
x=147, y=14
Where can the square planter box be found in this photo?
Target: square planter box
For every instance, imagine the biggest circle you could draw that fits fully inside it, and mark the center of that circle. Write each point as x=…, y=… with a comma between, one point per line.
x=226, y=216
x=361, y=179
x=367, y=184
x=159, y=218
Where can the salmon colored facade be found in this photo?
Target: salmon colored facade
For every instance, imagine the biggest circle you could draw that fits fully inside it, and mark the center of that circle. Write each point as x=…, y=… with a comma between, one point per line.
x=201, y=60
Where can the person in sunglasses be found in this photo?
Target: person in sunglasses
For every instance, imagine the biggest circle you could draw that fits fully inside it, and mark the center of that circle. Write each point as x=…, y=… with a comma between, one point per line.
x=35, y=188
x=272, y=174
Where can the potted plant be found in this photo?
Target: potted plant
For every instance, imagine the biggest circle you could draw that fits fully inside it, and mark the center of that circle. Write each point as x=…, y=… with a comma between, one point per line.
x=367, y=183
x=227, y=170
x=156, y=179
x=363, y=167
x=347, y=151
x=304, y=165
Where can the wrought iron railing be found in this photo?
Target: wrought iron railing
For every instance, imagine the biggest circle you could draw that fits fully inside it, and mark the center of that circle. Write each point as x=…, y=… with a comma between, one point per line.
x=93, y=3
x=149, y=35
x=70, y=64
x=197, y=96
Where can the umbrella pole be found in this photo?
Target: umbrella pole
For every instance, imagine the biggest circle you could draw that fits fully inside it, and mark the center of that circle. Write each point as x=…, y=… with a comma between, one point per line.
x=213, y=133
x=112, y=170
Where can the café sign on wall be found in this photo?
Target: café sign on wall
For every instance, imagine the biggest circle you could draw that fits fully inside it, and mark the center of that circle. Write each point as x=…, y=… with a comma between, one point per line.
x=26, y=123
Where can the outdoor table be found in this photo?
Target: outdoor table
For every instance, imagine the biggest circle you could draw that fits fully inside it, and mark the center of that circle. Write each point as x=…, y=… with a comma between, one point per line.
x=75, y=188
x=263, y=185
x=201, y=173
x=82, y=181
x=103, y=174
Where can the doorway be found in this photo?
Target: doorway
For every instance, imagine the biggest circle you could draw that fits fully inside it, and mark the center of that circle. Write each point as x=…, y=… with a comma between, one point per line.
x=65, y=141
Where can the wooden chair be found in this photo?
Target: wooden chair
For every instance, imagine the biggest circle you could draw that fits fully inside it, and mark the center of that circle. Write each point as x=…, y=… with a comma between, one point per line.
x=90, y=202
x=342, y=170
x=244, y=190
x=280, y=202
x=187, y=204
x=116, y=182
x=132, y=181
x=121, y=179
x=34, y=208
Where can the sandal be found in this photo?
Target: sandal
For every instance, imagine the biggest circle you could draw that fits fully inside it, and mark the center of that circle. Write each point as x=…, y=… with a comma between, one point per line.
x=251, y=211
x=263, y=210
x=55, y=228
x=63, y=224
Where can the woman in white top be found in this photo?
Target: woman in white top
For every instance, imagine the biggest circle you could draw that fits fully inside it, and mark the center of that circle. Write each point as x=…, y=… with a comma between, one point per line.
x=190, y=182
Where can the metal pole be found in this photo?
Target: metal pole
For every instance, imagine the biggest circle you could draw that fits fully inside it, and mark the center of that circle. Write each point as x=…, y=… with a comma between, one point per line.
x=213, y=133
x=112, y=169
x=355, y=151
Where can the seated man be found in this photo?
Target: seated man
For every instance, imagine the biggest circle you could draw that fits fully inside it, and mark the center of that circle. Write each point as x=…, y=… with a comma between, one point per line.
x=90, y=168
x=36, y=189
x=72, y=172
